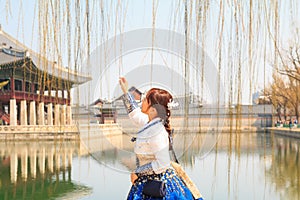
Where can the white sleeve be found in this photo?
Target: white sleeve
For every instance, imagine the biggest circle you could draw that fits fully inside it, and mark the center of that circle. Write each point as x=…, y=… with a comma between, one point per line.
x=139, y=118
x=160, y=149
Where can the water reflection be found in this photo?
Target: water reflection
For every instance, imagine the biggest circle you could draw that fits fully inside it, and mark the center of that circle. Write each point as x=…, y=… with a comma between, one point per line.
x=240, y=166
x=250, y=166
x=284, y=169
x=37, y=170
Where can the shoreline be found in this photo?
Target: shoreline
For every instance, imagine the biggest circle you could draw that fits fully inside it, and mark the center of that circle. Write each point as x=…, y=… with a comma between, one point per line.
x=288, y=132
x=75, y=132
x=28, y=132
x=59, y=132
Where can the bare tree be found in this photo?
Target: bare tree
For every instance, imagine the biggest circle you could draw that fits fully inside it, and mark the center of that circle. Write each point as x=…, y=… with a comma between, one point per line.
x=277, y=93
x=288, y=90
x=291, y=65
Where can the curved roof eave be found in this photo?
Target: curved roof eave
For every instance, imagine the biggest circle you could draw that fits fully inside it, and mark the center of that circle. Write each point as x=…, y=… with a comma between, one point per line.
x=40, y=61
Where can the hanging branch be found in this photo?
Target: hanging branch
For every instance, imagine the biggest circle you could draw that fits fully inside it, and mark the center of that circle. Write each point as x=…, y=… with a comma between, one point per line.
x=290, y=73
x=186, y=67
x=292, y=70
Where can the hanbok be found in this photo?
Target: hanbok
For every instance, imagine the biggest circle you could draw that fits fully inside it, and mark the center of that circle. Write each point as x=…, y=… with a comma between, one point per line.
x=153, y=159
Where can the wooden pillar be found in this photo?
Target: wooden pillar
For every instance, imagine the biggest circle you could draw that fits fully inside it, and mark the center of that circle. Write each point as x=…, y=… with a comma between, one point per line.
x=12, y=87
x=63, y=94
x=41, y=114
x=32, y=87
x=56, y=94
x=57, y=114
x=49, y=114
x=23, y=113
x=13, y=112
x=23, y=85
x=42, y=97
x=32, y=113
x=68, y=97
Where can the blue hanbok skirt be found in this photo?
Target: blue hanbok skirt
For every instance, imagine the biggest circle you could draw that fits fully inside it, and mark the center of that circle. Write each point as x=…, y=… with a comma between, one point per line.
x=175, y=188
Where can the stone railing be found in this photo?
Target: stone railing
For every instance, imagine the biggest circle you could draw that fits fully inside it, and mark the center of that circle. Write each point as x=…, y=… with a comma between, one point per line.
x=39, y=129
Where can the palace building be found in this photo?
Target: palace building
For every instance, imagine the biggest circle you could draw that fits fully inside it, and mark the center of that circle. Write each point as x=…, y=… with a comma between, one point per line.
x=33, y=90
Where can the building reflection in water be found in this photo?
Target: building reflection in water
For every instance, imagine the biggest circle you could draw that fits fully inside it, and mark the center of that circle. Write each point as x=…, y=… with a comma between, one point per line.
x=38, y=170
x=284, y=170
x=271, y=162
x=267, y=163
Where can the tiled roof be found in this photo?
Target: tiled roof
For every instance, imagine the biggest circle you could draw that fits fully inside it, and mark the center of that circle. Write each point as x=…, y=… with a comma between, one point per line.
x=5, y=58
x=11, y=50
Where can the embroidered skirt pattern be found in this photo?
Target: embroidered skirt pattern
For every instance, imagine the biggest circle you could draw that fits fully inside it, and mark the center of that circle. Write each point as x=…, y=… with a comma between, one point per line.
x=175, y=188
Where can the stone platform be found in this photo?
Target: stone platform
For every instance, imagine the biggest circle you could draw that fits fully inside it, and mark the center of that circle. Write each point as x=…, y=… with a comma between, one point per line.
x=290, y=132
x=28, y=132
x=67, y=132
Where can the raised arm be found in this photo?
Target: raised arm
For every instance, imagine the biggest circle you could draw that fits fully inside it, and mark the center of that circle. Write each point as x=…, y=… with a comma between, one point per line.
x=132, y=108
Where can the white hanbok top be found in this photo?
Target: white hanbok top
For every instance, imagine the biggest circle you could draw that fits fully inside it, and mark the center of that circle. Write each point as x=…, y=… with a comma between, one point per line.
x=152, y=142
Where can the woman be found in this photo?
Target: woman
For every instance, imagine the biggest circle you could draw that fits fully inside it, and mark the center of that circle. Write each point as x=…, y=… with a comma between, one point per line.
x=152, y=145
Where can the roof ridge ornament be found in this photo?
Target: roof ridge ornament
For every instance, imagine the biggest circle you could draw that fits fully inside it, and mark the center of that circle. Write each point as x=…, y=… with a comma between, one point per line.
x=27, y=53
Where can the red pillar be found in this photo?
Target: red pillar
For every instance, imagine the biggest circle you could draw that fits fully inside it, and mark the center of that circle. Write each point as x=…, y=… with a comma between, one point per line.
x=23, y=85
x=23, y=88
x=63, y=96
x=32, y=88
x=68, y=97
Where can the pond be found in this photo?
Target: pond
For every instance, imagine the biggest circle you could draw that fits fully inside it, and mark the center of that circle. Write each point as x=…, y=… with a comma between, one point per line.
x=239, y=166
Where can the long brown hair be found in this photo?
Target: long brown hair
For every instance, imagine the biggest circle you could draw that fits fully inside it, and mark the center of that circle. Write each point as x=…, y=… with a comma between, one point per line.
x=159, y=99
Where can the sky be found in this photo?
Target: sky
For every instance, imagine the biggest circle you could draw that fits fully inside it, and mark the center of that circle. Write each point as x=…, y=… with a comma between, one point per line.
x=22, y=20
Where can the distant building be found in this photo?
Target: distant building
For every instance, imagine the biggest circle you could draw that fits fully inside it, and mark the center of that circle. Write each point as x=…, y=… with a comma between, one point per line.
x=28, y=80
x=259, y=98
x=255, y=97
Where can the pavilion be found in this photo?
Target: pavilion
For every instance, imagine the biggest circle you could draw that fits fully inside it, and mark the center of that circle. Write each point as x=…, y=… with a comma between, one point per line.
x=33, y=90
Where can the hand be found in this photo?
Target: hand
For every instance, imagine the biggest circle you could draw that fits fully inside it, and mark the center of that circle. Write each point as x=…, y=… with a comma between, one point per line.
x=124, y=84
x=133, y=177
